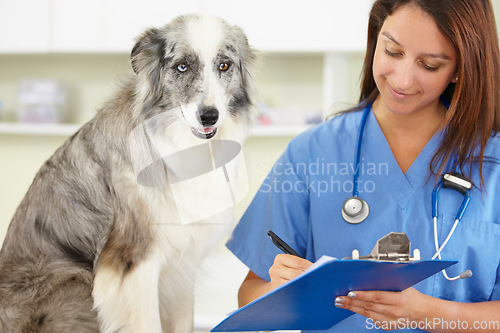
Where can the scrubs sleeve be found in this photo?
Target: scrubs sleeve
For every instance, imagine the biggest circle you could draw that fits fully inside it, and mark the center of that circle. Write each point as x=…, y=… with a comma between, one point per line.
x=495, y=295
x=493, y=152
x=280, y=205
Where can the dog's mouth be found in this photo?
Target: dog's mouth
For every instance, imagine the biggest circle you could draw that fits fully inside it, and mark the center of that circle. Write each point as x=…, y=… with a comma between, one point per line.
x=204, y=133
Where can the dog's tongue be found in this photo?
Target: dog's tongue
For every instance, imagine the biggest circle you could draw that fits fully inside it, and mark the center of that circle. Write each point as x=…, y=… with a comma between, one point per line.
x=204, y=133
x=206, y=130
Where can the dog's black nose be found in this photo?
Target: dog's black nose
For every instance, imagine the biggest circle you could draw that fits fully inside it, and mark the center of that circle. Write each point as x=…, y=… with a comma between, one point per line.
x=208, y=115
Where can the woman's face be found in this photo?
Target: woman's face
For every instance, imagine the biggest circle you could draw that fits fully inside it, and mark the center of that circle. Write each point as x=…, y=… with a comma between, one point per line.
x=413, y=62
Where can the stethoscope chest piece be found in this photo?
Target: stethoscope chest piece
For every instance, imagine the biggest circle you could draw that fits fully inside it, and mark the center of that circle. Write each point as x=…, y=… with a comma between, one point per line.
x=355, y=210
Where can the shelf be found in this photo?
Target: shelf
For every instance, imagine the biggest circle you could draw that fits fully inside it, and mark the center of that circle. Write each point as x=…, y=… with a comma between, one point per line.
x=69, y=129
x=278, y=130
x=38, y=129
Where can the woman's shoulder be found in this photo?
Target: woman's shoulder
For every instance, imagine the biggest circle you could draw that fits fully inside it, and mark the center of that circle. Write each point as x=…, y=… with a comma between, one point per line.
x=492, y=150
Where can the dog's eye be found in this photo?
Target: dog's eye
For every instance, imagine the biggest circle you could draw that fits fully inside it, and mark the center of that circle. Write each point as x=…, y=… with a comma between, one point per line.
x=223, y=66
x=182, y=67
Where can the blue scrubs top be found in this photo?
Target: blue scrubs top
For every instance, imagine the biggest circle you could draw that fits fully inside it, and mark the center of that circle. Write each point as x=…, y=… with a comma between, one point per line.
x=301, y=201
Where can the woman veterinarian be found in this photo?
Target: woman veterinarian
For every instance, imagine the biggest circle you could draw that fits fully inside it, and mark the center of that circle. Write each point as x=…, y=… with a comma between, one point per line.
x=431, y=96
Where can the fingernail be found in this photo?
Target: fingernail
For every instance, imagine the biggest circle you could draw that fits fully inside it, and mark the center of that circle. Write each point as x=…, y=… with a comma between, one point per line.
x=351, y=294
x=339, y=302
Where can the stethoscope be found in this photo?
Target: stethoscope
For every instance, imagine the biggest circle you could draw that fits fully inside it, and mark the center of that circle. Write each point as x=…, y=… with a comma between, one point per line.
x=355, y=210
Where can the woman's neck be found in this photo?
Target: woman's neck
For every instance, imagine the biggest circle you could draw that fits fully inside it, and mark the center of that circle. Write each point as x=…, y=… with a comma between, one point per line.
x=407, y=134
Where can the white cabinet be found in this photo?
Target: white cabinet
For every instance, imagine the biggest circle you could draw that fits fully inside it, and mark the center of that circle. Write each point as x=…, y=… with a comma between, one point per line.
x=110, y=25
x=126, y=20
x=40, y=26
x=24, y=26
x=298, y=26
x=77, y=25
x=309, y=47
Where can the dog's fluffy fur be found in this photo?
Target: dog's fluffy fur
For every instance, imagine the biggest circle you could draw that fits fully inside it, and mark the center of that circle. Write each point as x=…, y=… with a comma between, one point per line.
x=92, y=248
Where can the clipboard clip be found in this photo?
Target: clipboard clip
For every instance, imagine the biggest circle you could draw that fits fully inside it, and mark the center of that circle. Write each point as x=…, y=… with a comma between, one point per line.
x=394, y=246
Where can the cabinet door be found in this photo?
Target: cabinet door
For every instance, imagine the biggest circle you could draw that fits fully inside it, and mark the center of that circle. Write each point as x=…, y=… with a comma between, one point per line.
x=126, y=20
x=297, y=25
x=77, y=25
x=110, y=25
x=24, y=26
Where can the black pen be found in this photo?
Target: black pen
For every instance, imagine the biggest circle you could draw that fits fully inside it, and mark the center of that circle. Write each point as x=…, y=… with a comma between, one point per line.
x=280, y=244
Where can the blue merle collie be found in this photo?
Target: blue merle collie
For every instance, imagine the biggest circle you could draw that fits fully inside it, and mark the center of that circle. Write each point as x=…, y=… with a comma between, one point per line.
x=110, y=234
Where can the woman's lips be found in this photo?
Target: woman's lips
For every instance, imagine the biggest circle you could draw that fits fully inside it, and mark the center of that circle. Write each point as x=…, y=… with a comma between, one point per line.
x=397, y=94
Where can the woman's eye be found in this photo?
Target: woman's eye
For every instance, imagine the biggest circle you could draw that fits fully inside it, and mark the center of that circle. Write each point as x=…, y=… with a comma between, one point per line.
x=430, y=68
x=182, y=67
x=390, y=53
x=223, y=66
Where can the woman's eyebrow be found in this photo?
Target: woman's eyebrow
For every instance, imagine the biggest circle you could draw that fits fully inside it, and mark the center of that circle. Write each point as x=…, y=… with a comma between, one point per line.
x=432, y=55
x=389, y=36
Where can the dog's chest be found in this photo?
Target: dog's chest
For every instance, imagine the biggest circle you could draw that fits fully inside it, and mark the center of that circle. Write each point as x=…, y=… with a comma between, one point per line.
x=203, y=201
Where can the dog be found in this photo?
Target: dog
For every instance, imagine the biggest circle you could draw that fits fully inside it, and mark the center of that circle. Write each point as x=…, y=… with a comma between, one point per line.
x=112, y=230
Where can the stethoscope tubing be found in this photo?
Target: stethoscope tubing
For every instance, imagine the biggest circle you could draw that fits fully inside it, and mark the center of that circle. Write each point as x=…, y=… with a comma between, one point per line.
x=357, y=153
x=435, y=195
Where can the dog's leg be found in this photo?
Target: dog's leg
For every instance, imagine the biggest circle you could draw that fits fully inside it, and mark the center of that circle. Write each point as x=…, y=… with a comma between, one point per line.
x=126, y=276
x=176, y=299
x=128, y=302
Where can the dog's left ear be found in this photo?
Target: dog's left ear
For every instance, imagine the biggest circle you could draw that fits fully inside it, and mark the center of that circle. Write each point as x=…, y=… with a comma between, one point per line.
x=149, y=50
x=147, y=58
x=252, y=60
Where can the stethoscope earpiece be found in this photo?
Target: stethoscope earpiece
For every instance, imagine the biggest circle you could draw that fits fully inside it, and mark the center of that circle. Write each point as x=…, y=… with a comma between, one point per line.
x=355, y=210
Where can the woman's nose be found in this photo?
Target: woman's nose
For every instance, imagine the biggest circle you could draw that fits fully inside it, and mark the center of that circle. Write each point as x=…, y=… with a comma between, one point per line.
x=404, y=76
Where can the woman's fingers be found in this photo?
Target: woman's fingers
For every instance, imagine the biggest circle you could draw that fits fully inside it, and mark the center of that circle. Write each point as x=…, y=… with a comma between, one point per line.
x=286, y=267
x=381, y=306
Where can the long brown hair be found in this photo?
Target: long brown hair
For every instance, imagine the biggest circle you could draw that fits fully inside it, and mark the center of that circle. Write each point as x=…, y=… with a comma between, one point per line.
x=473, y=115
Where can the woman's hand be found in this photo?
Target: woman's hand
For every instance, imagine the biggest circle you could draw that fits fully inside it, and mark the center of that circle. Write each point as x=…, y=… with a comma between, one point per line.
x=286, y=267
x=388, y=310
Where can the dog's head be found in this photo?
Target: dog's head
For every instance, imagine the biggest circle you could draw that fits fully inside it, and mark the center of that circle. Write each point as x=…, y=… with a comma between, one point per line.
x=198, y=68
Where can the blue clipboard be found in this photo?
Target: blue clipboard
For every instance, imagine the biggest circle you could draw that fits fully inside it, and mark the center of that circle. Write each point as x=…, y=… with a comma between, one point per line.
x=308, y=301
